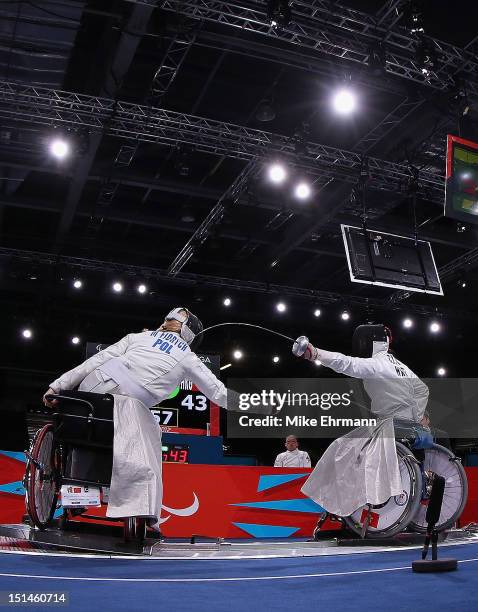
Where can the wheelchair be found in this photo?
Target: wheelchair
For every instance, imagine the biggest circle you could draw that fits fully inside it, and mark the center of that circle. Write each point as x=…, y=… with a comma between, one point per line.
x=407, y=511
x=76, y=449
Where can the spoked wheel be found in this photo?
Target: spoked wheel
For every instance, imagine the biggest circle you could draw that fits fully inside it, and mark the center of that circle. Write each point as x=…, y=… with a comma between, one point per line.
x=41, y=477
x=441, y=461
x=395, y=514
x=134, y=529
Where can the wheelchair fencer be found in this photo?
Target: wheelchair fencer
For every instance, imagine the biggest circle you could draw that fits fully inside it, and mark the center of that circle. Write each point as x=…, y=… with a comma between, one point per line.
x=419, y=459
x=76, y=449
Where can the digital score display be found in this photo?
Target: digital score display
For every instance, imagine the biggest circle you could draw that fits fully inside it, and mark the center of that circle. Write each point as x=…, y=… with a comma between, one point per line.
x=461, y=192
x=175, y=453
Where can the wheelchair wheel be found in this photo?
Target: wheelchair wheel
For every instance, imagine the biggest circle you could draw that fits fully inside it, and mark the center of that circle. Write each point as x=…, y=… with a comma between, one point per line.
x=439, y=460
x=41, y=477
x=394, y=515
x=134, y=529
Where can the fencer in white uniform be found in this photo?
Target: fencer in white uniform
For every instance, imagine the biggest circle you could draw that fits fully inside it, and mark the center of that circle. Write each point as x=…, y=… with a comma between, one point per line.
x=362, y=467
x=141, y=370
x=293, y=457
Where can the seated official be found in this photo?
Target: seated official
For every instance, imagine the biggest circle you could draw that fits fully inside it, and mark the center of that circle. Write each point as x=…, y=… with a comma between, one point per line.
x=293, y=457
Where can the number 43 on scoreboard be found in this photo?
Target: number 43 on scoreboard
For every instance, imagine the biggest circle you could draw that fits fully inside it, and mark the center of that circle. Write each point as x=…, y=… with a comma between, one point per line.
x=195, y=402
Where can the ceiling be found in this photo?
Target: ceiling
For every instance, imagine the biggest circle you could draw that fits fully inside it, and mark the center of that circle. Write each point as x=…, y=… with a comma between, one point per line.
x=167, y=181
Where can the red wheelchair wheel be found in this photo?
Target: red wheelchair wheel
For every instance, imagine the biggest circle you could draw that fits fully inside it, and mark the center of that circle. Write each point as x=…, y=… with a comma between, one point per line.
x=41, y=477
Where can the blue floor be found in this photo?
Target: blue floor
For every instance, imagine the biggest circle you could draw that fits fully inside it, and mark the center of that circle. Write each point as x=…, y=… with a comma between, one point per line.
x=372, y=581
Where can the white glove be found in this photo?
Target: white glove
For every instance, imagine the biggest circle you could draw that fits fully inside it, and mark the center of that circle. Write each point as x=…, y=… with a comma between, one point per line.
x=303, y=348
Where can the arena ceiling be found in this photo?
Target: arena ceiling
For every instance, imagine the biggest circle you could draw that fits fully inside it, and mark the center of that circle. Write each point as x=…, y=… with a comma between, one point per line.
x=164, y=104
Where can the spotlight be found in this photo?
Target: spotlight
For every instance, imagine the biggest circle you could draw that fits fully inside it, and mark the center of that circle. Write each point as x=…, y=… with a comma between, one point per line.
x=266, y=111
x=59, y=148
x=462, y=283
x=117, y=287
x=77, y=284
x=27, y=333
x=441, y=372
x=279, y=13
x=317, y=362
x=277, y=174
x=302, y=191
x=317, y=312
x=460, y=228
x=276, y=359
x=225, y=366
x=344, y=102
x=237, y=354
x=345, y=316
x=75, y=340
x=281, y=307
x=407, y=323
x=435, y=327
x=227, y=301
x=141, y=288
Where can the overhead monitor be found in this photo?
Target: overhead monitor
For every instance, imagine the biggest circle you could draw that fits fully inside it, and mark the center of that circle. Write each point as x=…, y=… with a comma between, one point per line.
x=461, y=192
x=388, y=260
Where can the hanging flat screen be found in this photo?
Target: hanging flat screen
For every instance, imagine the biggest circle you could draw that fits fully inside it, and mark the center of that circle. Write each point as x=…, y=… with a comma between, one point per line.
x=461, y=192
x=377, y=258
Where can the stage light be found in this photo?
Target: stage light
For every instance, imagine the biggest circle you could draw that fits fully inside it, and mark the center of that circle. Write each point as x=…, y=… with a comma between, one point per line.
x=407, y=323
x=435, y=327
x=302, y=191
x=59, y=148
x=77, y=284
x=75, y=340
x=227, y=301
x=317, y=312
x=117, y=287
x=225, y=366
x=281, y=307
x=141, y=288
x=345, y=316
x=279, y=13
x=27, y=333
x=462, y=283
x=344, y=102
x=441, y=372
x=237, y=354
x=276, y=359
x=277, y=174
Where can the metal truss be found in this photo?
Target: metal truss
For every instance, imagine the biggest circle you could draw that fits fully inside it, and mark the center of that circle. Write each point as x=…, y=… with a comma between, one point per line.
x=342, y=32
x=194, y=280
x=141, y=123
x=231, y=195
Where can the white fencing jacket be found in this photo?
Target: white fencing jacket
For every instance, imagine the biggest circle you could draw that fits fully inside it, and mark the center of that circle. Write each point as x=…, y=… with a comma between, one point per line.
x=147, y=366
x=393, y=388
x=292, y=459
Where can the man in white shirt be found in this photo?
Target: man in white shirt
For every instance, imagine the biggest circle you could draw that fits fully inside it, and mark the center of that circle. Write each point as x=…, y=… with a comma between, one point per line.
x=293, y=457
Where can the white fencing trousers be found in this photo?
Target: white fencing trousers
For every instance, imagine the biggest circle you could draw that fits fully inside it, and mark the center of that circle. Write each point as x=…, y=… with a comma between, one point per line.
x=357, y=469
x=136, y=481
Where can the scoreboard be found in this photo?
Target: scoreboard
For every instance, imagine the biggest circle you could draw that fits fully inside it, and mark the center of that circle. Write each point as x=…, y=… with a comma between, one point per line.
x=186, y=410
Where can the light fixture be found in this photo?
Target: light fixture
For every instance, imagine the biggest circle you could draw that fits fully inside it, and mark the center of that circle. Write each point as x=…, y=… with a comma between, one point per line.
x=237, y=354
x=281, y=307
x=279, y=13
x=277, y=173
x=225, y=366
x=141, y=288
x=407, y=323
x=75, y=340
x=435, y=327
x=59, y=148
x=27, y=333
x=117, y=287
x=462, y=283
x=77, y=283
x=345, y=316
x=344, y=102
x=441, y=372
x=317, y=362
x=227, y=301
x=317, y=312
x=302, y=191
x=276, y=359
